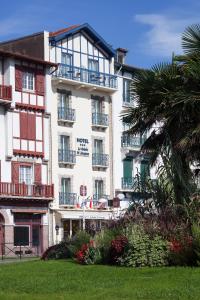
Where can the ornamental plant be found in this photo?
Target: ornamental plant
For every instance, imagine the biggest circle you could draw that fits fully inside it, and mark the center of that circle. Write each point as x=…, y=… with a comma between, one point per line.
x=117, y=248
x=88, y=254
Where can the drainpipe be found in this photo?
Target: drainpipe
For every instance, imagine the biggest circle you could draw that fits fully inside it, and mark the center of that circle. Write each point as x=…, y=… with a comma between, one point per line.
x=111, y=148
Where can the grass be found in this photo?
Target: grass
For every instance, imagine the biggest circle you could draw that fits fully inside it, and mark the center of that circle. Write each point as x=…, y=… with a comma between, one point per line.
x=54, y=280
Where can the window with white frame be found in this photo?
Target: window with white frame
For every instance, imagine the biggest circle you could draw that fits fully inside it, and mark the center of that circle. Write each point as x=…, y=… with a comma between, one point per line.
x=28, y=80
x=99, y=188
x=25, y=175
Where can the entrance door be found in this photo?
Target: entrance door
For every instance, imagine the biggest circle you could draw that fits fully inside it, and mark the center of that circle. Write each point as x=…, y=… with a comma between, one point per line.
x=2, y=235
x=75, y=226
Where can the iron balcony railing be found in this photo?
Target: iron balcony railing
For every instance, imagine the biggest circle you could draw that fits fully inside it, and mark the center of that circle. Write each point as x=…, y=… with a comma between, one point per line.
x=128, y=140
x=86, y=75
x=5, y=92
x=67, y=156
x=24, y=190
x=97, y=197
x=67, y=198
x=67, y=114
x=127, y=183
x=99, y=159
x=100, y=119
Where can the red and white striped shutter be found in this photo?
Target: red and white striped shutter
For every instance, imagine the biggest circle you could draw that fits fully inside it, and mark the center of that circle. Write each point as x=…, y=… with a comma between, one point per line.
x=40, y=82
x=18, y=78
x=38, y=173
x=31, y=127
x=23, y=125
x=15, y=172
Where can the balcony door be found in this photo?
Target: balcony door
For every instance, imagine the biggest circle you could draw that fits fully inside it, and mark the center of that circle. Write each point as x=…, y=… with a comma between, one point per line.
x=65, y=191
x=26, y=177
x=67, y=65
x=64, y=143
x=93, y=66
x=98, y=146
x=97, y=106
x=63, y=105
x=98, y=189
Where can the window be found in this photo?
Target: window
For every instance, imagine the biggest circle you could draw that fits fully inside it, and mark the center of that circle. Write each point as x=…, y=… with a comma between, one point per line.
x=126, y=91
x=63, y=101
x=28, y=80
x=25, y=175
x=97, y=106
x=21, y=235
x=93, y=65
x=99, y=189
x=98, y=146
x=64, y=142
x=66, y=59
x=65, y=185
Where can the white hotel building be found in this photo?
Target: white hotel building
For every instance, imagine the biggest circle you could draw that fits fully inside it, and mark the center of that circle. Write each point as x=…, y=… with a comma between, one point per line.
x=90, y=161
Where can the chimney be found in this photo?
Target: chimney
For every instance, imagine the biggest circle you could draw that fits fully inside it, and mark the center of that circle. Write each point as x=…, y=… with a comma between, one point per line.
x=120, y=55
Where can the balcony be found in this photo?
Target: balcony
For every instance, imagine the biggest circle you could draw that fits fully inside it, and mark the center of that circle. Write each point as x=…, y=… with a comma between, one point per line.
x=100, y=160
x=5, y=94
x=97, y=204
x=67, y=199
x=66, y=115
x=131, y=141
x=100, y=120
x=9, y=189
x=86, y=78
x=66, y=156
x=127, y=183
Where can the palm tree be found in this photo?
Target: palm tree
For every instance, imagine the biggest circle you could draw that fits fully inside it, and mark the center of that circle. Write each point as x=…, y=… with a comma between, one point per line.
x=168, y=106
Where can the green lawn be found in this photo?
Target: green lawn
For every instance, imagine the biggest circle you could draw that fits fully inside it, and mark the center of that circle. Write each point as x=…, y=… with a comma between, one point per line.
x=54, y=280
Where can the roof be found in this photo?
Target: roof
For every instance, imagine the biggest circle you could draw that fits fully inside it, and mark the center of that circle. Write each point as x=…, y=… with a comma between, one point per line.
x=25, y=57
x=99, y=41
x=60, y=31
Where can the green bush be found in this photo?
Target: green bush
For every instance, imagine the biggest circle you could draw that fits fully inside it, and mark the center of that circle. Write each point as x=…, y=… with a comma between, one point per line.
x=196, y=242
x=143, y=250
x=103, y=241
x=82, y=237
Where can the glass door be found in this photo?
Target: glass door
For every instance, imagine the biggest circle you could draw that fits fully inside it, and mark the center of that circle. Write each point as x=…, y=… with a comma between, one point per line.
x=98, y=189
x=93, y=66
x=25, y=176
x=67, y=65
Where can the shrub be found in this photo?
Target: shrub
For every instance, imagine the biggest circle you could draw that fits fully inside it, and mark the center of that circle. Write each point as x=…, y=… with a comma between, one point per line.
x=88, y=254
x=143, y=250
x=82, y=237
x=103, y=241
x=181, y=251
x=58, y=251
x=196, y=242
x=117, y=248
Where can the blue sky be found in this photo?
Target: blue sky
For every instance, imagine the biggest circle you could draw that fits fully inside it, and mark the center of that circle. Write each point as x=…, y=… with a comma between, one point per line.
x=149, y=29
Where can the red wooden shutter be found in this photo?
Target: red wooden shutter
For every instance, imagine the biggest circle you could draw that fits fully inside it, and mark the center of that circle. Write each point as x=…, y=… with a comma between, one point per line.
x=23, y=125
x=40, y=82
x=31, y=127
x=18, y=78
x=15, y=172
x=38, y=175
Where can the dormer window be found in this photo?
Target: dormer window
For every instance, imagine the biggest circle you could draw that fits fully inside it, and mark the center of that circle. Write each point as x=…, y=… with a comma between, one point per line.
x=28, y=80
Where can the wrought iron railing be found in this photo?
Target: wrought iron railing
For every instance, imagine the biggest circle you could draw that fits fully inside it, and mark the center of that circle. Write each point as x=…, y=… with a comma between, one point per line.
x=86, y=75
x=127, y=182
x=67, y=198
x=128, y=140
x=26, y=190
x=100, y=119
x=67, y=156
x=99, y=159
x=67, y=114
x=5, y=92
x=97, y=197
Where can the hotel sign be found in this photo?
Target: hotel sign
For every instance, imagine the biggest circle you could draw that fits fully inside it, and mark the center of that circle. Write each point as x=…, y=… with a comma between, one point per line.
x=82, y=147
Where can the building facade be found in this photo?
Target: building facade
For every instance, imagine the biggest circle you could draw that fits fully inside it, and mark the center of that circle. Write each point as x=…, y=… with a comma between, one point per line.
x=25, y=183
x=67, y=128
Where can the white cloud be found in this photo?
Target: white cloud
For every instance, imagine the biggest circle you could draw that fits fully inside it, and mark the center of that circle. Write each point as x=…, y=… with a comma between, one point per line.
x=163, y=35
